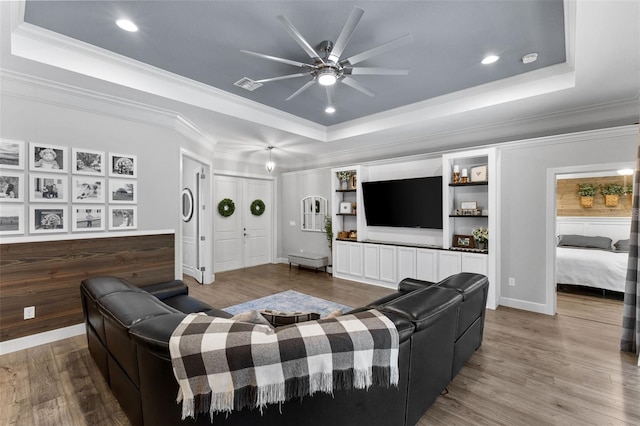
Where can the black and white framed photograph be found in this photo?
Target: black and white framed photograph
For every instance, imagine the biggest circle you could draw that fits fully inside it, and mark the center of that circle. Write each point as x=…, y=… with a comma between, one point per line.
x=48, y=188
x=44, y=218
x=87, y=220
x=11, y=219
x=12, y=186
x=11, y=154
x=47, y=158
x=87, y=189
x=87, y=162
x=123, y=165
x=123, y=218
x=123, y=191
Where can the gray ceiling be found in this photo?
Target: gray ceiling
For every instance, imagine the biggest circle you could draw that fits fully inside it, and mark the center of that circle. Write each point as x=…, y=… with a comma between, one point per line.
x=201, y=40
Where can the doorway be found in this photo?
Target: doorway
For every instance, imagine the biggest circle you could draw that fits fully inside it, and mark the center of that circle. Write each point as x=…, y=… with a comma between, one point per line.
x=245, y=237
x=196, y=231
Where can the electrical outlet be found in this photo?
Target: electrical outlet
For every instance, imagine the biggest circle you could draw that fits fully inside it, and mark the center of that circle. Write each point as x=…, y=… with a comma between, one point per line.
x=29, y=312
x=512, y=282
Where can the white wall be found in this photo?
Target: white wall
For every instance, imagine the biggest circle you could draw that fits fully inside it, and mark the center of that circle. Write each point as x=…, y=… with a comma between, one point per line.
x=157, y=147
x=293, y=187
x=524, y=197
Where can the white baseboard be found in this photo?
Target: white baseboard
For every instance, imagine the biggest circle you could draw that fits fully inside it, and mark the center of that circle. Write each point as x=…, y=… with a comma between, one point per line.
x=282, y=260
x=539, y=308
x=41, y=338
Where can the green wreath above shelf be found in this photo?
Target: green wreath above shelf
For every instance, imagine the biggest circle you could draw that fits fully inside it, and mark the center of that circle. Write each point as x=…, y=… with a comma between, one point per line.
x=257, y=207
x=226, y=207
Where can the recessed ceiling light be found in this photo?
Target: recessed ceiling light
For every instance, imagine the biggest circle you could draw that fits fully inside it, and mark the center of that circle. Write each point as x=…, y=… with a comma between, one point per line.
x=127, y=25
x=531, y=57
x=329, y=110
x=490, y=59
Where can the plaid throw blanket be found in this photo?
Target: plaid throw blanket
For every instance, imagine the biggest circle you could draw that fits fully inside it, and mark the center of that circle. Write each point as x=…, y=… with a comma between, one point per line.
x=222, y=364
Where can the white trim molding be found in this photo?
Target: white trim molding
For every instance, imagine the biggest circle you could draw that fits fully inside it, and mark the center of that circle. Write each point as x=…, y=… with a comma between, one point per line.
x=27, y=342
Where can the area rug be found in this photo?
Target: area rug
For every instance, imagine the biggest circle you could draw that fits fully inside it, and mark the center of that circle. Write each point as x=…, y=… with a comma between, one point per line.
x=290, y=301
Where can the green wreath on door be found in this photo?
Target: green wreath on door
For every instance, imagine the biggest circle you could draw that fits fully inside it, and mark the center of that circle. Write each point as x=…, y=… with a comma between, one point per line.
x=257, y=207
x=226, y=207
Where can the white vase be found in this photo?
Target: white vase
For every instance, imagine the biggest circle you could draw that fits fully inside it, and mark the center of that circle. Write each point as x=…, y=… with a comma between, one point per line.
x=343, y=184
x=482, y=245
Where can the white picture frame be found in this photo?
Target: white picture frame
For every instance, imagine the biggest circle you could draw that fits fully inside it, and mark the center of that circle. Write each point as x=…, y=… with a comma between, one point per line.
x=12, y=186
x=48, y=188
x=12, y=219
x=88, y=162
x=123, y=191
x=45, y=218
x=11, y=154
x=88, y=218
x=123, y=218
x=87, y=189
x=123, y=165
x=47, y=158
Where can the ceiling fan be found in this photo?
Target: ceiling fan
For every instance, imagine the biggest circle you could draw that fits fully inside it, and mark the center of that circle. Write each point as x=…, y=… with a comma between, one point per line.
x=328, y=68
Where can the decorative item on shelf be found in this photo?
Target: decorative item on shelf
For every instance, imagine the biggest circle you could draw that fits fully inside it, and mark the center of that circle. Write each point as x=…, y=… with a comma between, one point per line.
x=353, y=207
x=353, y=182
x=353, y=235
x=612, y=193
x=464, y=178
x=226, y=207
x=628, y=189
x=469, y=205
x=345, y=208
x=343, y=177
x=481, y=235
x=343, y=235
x=257, y=207
x=463, y=241
x=456, y=174
x=586, y=191
x=479, y=173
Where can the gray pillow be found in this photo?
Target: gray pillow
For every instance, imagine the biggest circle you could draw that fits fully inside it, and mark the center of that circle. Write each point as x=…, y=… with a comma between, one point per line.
x=582, y=241
x=278, y=318
x=622, y=246
x=253, y=317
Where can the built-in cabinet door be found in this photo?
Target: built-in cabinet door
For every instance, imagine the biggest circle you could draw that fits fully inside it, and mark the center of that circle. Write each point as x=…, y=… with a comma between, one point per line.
x=427, y=265
x=342, y=257
x=476, y=263
x=406, y=263
x=387, y=262
x=355, y=259
x=450, y=264
x=371, y=263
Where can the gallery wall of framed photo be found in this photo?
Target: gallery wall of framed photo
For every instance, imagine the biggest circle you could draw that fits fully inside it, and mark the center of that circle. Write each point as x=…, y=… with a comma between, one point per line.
x=48, y=188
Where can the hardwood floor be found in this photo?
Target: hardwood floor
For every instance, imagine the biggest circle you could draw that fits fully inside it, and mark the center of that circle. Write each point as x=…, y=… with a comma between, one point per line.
x=532, y=369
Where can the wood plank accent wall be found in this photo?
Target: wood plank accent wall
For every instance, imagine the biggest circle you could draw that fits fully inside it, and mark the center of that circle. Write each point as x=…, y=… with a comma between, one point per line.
x=47, y=275
x=568, y=200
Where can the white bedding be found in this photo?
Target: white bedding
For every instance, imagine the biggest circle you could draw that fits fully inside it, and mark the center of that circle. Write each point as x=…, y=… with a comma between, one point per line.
x=591, y=268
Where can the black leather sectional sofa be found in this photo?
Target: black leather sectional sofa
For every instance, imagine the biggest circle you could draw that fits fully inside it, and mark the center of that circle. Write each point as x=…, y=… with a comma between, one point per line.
x=128, y=329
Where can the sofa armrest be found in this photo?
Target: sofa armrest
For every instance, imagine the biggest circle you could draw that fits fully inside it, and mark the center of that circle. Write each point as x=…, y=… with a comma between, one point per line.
x=167, y=289
x=410, y=284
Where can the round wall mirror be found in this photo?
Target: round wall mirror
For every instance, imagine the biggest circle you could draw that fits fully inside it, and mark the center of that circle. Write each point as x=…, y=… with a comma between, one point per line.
x=187, y=204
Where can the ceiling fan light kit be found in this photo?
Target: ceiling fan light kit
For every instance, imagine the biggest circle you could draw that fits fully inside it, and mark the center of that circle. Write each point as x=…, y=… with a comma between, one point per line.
x=328, y=68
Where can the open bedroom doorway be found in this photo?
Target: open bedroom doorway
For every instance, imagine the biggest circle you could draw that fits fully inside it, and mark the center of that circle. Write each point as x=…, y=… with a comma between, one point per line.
x=589, y=258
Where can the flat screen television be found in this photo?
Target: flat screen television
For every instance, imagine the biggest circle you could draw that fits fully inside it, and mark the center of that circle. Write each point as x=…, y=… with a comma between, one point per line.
x=408, y=203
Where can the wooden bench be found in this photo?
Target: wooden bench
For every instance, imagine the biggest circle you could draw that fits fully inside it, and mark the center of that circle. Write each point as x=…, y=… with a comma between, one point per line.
x=309, y=260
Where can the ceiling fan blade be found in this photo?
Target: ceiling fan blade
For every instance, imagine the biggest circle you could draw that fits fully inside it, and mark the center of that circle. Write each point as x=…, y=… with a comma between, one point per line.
x=297, y=36
x=358, y=86
x=383, y=48
x=376, y=71
x=302, y=89
x=345, y=34
x=282, y=77
x=276, y=59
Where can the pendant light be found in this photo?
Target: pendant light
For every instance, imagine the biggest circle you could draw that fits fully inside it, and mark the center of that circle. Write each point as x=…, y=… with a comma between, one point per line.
x=270, y=164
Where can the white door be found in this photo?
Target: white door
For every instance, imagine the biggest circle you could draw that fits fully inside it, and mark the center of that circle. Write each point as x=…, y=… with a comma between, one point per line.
x=257, y=221
x=194, y=231
x=242, y=239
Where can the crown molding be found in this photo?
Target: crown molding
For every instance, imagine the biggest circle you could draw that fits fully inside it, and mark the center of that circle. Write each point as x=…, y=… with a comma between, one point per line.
x=41, y=90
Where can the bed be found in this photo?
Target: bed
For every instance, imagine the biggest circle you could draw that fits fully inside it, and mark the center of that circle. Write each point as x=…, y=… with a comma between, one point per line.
x=593, y=252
